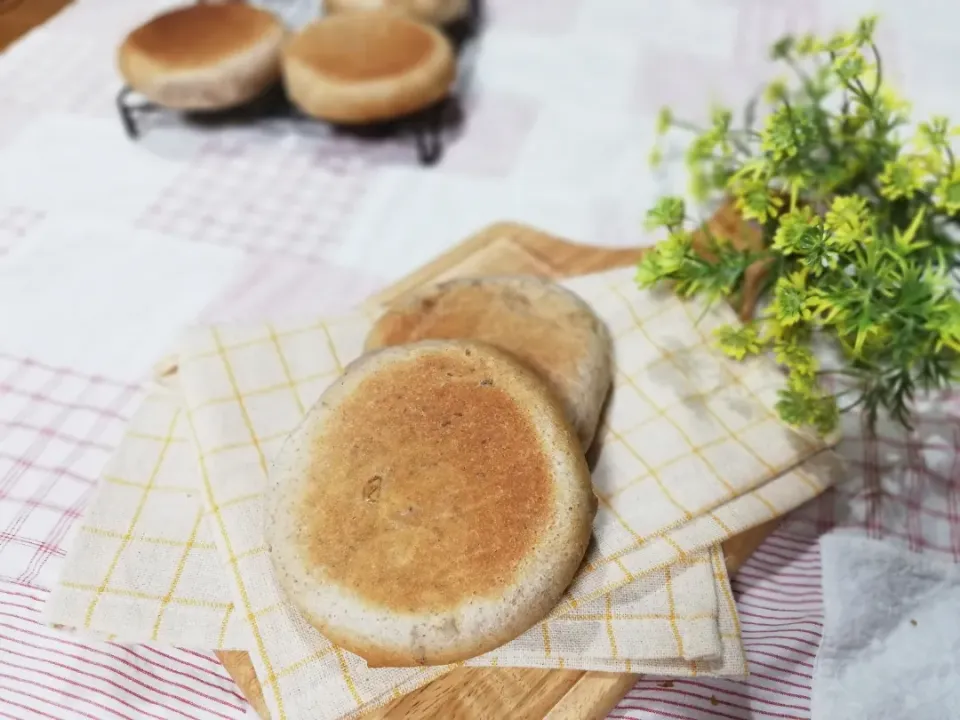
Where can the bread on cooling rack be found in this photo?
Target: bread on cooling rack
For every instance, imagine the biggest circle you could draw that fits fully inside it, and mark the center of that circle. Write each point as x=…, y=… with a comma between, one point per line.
x=357, y=68
x=204, y=57
x=433, y=505
x=546, y=326
x=435, y=12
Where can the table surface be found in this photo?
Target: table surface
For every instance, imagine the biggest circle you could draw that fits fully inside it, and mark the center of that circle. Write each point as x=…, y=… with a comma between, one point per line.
x=108, y=248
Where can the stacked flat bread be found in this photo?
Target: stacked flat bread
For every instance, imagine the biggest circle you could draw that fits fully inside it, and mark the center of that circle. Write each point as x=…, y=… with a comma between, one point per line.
x=547, y=327
x=436, y=503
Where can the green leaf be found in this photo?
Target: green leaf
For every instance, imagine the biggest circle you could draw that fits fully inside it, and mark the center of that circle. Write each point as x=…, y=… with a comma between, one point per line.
x=902, y=178
x=800, y=408
x=738, y=341
x=906, y=241
x=782, y=48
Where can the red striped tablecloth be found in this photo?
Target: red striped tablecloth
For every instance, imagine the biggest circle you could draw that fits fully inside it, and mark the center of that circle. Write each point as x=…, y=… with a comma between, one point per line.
x=560, y=109
x=59, y=425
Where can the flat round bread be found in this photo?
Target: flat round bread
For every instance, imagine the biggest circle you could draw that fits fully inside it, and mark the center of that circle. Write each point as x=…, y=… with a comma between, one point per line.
x=435, y=12
x=204, y=57
x=433, y=505
x=356, y=68
x=546, y=326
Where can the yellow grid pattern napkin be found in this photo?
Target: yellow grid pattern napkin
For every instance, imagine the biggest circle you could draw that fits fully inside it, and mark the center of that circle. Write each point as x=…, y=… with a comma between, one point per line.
x=144, y=565
x=158, y=578
x=692, y=453
x=143, y=584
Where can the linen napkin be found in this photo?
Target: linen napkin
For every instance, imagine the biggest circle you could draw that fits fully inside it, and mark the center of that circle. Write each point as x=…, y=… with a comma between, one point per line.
x=692, y=454
x=891, y=640
x=160, y=579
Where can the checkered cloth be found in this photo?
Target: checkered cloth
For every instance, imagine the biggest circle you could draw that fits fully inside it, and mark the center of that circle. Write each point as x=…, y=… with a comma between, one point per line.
x=691, y=454
x=549, y=142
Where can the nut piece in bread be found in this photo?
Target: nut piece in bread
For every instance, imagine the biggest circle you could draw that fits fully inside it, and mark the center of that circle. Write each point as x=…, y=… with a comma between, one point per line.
x=432, y=506
x=551, y=329
x=435, y=12
x=204, y=57
x=357, y=68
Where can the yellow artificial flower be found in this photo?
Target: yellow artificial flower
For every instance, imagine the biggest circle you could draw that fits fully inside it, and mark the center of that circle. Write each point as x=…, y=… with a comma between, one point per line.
x=701, y=148
x=790, y=299
x=779, y=134
x=947, y=195
x=892, y=100
x=798, y=233
x=946, y=323
x=656, y=157
x=700, y=186
x=808, y=44
x=664, y=120
x=775, y=91
x=671, y=253
x=847, y=222
x=902, y=178
x=849, y=66
x=796, y=356
x=840, y=41
x=669, y=211
x=738, y=341
x=755, y=200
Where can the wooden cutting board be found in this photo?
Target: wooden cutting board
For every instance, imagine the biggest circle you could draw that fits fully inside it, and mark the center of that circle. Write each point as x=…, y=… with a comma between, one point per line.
x=19, y=16
x=521, y=693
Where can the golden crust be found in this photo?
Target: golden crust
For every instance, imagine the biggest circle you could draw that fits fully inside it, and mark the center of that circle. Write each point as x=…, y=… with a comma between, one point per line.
x=203, y=57
x=435, y=12
x=548, y=328
x=431, y=454
x=432, y=490
x=366, y=67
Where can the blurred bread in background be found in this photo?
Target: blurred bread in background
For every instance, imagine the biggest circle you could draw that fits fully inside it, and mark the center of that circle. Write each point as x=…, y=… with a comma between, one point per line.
x=356, y=68
x=204, y=57
x=435, y=12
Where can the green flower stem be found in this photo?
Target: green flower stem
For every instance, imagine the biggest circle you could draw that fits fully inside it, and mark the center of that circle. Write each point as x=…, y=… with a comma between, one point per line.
x=878, y=83
x=843, y=373
x=685, y=125
x=852, y=406
x=731, y=136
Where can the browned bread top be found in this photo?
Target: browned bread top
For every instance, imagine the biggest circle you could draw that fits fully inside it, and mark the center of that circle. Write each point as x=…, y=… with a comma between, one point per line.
x=547, y=327
x=437, y=12
x=363, y=47
x=436, y=456
x=434, y=505
x=204, y=57
x=364, y=67
x=201, y=35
